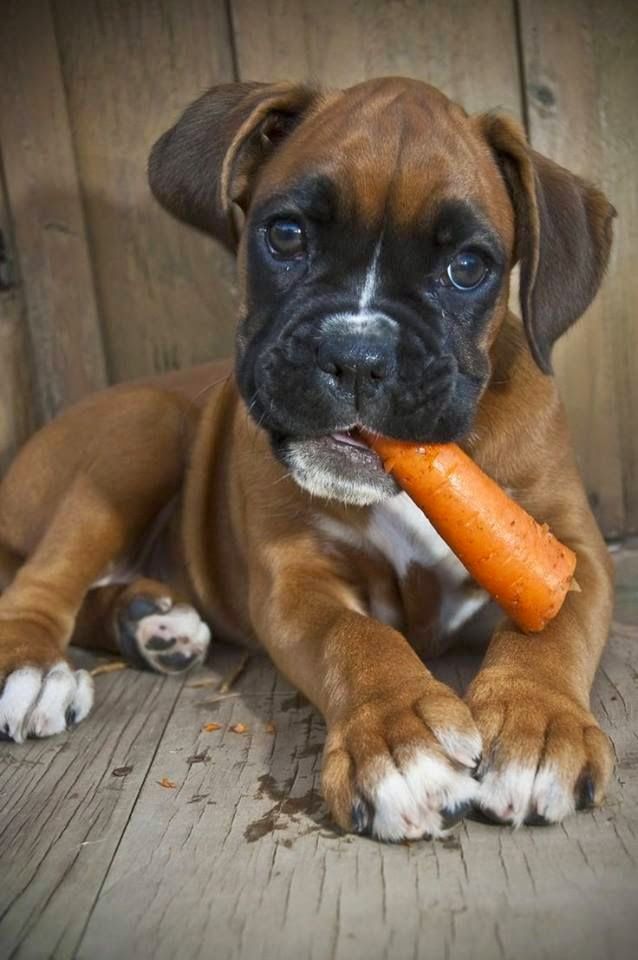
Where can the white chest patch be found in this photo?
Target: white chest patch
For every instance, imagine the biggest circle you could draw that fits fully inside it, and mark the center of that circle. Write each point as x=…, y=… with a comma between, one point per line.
x=404, y=536
x=402, y=533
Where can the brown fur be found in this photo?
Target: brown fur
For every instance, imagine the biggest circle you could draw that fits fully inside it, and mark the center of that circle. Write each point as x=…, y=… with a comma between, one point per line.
x=243, y=544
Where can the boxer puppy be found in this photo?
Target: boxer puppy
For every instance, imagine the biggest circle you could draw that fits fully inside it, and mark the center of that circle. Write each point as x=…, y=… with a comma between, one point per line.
x=376, y=229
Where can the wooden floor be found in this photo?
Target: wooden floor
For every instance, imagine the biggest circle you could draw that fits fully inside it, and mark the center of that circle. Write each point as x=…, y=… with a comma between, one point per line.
x=142, y=835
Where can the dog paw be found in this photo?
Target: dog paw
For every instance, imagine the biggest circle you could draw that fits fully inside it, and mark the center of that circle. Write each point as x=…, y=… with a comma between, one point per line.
x=544, y=755
x=156, y=635
x=402, y=770
x=40, y=703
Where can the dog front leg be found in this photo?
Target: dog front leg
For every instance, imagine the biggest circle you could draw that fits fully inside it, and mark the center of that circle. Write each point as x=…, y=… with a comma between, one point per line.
x=544, y=754
x=401, y=746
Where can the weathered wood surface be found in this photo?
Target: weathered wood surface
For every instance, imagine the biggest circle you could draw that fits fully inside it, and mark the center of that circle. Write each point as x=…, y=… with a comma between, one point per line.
x=581, y=71
x=166, y=293
x=46, y=209
x=63, y=813
x=17, y=417
x=238, y=860
x=469, y=50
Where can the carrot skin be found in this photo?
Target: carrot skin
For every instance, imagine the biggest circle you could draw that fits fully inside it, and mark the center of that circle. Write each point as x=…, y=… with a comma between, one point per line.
x=517, y=560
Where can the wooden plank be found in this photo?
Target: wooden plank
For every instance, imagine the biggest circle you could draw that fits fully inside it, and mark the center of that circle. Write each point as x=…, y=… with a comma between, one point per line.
x=46, y=209
x=166, y=293
x=63, y=811
x=240, y=860
x=336, y=43
x=581, y=67
x=16, y=385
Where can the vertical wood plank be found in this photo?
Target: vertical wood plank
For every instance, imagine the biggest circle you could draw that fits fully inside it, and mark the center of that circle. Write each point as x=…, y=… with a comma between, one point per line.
x=166, y=293
x=46, y=209
x=469, y=50
x=581, y=68
x=16, y=386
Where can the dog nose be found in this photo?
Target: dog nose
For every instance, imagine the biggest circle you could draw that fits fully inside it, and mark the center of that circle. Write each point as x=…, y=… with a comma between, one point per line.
x=353, y=360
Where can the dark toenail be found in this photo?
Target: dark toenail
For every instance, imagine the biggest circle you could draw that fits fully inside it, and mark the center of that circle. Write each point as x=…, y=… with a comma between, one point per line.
x=70, y=716
x=450, y=816
x=5, y=734
x=475, y=769
x=141, y=607
x=160, y=643
x=586, y=792
x=536, y=820
x=176, y=661
x=361, y=817
x=481, y=815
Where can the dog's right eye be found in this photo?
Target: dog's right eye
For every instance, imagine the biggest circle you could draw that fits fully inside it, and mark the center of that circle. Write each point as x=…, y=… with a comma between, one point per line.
x=285, y=239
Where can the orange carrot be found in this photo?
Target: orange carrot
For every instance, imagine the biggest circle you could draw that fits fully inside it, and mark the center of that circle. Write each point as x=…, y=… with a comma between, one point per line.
x=517, y=560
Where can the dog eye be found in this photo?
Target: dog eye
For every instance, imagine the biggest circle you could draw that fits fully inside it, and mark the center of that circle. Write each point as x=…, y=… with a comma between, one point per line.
x=467, y=270
x=285, y=238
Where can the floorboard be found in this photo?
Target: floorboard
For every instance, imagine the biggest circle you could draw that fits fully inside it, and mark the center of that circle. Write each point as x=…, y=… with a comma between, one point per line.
x=216, y=842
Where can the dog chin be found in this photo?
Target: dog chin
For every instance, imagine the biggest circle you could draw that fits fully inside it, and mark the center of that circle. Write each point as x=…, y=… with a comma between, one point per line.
x=336, y=468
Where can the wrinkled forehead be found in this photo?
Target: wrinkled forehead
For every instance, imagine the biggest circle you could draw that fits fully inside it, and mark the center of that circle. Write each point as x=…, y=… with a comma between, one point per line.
x=389, y=151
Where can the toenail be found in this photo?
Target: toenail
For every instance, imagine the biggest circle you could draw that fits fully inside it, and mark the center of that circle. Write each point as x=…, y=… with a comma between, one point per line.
x=361, y=817
x=141, y=607
x=450, y=816
x=536, y=820
x=586, y=792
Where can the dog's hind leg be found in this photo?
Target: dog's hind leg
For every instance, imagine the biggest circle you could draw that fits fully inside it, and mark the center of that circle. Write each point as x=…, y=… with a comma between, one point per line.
x=10, y=563
x=147, y=622
x=76, y=501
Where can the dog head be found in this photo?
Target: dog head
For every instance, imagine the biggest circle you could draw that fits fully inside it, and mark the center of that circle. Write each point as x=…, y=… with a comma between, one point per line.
x=376, y=228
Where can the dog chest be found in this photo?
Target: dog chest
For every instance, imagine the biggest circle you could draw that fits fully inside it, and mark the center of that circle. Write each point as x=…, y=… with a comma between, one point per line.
x=398, y=531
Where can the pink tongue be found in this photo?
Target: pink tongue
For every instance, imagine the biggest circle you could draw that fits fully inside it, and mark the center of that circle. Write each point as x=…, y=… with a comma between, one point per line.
x=350, y=440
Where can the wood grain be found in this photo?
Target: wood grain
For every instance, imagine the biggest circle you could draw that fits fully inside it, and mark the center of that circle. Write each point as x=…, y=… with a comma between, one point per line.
x=581, y=68
x=240, y=860
x=17, y=414
x=468, y=50
x=63, y=812
x=46, y=209
x=166, y=293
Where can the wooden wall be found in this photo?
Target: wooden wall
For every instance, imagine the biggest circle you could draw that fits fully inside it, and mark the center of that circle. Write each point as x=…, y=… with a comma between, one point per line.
x=98, y=284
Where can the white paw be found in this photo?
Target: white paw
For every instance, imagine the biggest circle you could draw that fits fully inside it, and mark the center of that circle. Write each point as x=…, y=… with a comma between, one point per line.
x=38, y=703
x=519, y=794
x=425, y=797
x=168, y=639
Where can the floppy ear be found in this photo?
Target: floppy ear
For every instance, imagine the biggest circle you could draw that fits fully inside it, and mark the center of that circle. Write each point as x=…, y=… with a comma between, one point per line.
x=563, y=236
x=205, y=163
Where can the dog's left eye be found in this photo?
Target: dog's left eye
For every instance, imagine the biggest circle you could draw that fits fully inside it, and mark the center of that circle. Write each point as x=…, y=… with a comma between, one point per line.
x=467, y=270
x=285, y=238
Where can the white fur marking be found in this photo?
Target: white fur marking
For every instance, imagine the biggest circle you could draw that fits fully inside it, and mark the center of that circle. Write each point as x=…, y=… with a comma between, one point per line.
x=183, y=625
x=181, y=621
x=552, y=798
x=20, y=692
x=458, y=607
x=35, y=704
x=369, y=287
x=464, y=747
x=507, y=793
x=401, y=532
x=409, y=804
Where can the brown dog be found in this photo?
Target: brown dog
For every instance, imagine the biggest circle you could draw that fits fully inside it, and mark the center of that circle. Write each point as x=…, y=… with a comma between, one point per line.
x=376, y=229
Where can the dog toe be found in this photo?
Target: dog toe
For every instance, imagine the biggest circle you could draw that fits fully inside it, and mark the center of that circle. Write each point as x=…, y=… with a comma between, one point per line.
x=41, y=703
x=155, y=635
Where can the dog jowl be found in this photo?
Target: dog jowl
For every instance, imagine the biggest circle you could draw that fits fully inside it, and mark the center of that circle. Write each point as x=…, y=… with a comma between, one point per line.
x=375, y=230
